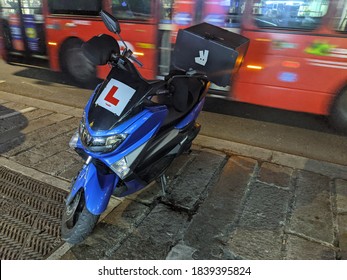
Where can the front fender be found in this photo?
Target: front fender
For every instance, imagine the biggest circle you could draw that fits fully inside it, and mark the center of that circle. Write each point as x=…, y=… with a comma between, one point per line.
x=97, y=187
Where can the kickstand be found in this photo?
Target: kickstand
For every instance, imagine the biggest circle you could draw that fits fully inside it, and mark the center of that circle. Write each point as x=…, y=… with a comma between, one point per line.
x=163, y=183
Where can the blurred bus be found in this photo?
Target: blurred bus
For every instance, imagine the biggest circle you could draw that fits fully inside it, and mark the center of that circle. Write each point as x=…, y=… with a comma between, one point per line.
x=297, y=59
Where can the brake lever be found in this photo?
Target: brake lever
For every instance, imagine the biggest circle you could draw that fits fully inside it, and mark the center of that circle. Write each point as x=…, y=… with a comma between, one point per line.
x=139, y=63
x=128, y=53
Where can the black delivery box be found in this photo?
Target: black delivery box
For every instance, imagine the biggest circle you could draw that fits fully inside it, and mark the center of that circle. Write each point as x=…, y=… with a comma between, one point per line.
x=210, y=50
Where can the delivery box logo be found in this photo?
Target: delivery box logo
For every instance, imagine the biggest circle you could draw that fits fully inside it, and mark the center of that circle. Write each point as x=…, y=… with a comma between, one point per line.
x=202, y=58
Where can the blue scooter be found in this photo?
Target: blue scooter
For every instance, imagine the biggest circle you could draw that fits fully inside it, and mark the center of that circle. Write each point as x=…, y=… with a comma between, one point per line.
x=130, y=132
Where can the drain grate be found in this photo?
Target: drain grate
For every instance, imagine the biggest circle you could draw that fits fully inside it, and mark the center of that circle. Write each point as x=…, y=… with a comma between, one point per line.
x=30, y=216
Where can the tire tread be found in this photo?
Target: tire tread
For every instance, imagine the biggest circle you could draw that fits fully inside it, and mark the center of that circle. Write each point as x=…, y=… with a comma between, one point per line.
x=82, y=229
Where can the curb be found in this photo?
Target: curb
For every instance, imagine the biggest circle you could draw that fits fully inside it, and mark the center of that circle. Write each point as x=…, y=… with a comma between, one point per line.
x=35, y=174
x=294, y=161
x=42, y=104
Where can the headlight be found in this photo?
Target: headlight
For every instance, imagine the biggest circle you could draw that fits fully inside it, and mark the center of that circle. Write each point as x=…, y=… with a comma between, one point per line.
x=73, y=141
x=99, y=144
x=121, y=168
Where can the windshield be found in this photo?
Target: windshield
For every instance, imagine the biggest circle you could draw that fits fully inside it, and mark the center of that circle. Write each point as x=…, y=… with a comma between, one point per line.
x=340, y=19
x=119, y=97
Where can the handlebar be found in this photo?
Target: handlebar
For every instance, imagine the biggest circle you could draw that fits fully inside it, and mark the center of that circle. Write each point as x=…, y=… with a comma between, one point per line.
x=123, y=61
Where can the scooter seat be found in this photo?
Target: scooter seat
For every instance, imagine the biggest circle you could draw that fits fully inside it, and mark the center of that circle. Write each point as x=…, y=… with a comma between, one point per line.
x=185, y=93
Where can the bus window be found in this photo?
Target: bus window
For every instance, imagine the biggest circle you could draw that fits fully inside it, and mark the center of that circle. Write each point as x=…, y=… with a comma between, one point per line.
x=131, y=9
x=11, y=30
x=236, y=9
x=340, y=23
x=164, y=33
x=75, y=7
x=290, y=14
x=165, y=15
x=31, y=7
x=8, y=8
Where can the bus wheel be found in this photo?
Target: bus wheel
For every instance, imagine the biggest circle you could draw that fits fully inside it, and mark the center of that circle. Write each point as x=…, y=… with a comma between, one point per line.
x=75, y=64
x=338, y=114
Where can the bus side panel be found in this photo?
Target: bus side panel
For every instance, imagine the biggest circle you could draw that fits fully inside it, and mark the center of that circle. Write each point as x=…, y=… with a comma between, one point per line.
x=283, y=98
x=143, y=40
x=60, y=28
x=291, y=69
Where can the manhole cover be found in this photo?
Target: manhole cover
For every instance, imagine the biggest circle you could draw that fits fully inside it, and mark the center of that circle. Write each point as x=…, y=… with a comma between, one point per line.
x=30, y=216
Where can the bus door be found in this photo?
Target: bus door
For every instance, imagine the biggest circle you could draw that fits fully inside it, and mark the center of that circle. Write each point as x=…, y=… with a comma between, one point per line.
x=12, y=37
x=22, y=27
x=297, y=59
x=33, y=23
x=165, y=27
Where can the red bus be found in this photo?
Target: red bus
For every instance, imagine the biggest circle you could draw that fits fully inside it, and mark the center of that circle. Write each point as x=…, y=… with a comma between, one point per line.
x=297, y=58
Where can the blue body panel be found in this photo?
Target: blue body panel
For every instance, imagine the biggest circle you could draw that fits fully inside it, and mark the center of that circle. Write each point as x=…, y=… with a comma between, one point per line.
x=98, y=188
x=192, y=116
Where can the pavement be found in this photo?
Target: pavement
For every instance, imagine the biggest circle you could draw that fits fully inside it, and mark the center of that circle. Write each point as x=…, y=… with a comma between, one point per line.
x=224, y=200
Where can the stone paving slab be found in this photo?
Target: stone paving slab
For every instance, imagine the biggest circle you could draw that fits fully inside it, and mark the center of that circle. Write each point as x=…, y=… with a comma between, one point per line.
x=188, y=189
x=342, y=236
x=341, y=196
x=298, y=248
x=220, y=212
x=312, y=210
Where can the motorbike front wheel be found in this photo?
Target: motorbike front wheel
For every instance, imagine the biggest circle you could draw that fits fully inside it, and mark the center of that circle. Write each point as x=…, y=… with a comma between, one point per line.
x=77, y=221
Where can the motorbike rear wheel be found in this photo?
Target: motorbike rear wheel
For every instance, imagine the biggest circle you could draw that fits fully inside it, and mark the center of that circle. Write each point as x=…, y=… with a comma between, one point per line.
x=77, y=221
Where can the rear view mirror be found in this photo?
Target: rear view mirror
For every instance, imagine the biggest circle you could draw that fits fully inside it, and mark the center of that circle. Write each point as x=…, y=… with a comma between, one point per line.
x=110, y=21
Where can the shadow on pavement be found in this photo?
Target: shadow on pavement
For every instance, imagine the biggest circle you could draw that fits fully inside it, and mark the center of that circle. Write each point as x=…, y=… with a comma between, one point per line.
x=271, y=115
x=12, y=123
x=44, y=75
